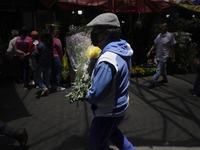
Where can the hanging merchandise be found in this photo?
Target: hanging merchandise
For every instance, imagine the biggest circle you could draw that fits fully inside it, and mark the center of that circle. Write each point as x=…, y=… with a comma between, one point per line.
x=53, y=26
x=138, y=24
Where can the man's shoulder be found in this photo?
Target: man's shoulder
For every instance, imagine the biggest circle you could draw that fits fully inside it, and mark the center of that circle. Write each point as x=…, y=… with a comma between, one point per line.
x=158, y=35
x=109, y=57
x=170, y=34
x=28, y=38
x=13, y=40
x=18, y=38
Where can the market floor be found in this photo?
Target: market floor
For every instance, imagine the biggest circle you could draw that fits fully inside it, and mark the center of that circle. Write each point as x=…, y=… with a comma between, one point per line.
x=164, y=118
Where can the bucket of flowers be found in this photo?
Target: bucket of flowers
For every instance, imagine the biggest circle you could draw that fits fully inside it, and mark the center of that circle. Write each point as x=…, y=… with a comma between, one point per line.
x=137, y=71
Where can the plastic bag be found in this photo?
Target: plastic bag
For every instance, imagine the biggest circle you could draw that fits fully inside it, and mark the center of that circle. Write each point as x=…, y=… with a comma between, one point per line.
x=65, y=62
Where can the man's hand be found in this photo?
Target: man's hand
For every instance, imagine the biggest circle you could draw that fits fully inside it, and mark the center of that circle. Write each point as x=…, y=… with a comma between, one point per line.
x=26, y=54
x=152, y=48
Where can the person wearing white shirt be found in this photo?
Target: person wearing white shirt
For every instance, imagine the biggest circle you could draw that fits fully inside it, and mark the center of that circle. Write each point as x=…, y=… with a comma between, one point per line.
x=11, y=52
x=164, y=44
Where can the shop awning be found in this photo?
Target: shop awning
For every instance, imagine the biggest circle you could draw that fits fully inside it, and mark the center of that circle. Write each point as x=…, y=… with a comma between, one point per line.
x=189, y=4
x=115, y=6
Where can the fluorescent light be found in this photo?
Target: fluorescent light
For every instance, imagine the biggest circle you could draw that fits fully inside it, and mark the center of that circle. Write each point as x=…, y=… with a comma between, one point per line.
x=80, y=12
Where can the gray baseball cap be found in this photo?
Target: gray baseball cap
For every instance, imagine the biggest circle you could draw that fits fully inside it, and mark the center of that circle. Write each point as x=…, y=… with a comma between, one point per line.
x=105, y=19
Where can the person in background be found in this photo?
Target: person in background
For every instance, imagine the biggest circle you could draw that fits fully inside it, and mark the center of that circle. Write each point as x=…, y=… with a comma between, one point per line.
x=34, y=42
x=11, y=47
x=22, y=47
x=164, y=44
x=19, y=134
x=14, y=56
x=108, y=95
x=56, y=68
x=43, y=53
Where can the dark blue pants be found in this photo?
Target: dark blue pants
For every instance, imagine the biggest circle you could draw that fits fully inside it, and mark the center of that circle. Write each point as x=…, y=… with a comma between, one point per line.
x=104, y=129
x=160, y=70
x=38, y=79
x=56, y=71
x=5, y=129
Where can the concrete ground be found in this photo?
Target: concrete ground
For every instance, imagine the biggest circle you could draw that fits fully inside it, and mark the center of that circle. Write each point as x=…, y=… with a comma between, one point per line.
x=164, y=118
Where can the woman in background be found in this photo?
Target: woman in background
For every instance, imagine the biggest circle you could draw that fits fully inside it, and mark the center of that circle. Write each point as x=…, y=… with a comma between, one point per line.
x=56, y=68
x=44, y=54
x=34, y=42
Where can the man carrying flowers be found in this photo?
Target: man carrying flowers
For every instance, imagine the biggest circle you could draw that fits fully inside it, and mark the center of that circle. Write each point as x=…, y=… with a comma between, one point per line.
x=108, y=94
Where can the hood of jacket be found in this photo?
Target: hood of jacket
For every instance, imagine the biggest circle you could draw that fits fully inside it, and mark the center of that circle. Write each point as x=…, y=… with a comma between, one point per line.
x=121, y=48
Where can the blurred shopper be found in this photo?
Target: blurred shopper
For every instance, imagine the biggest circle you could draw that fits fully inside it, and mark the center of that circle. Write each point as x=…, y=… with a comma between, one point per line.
x=19, y=134
x=17, y=70
x=32, y=44
x=43, y=53
x=22, y=47
x=164, y=44
x=56, y=68
x=11, y=47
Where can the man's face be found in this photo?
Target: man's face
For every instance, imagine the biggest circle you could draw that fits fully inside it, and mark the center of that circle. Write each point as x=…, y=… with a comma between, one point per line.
x=164, y=28
x=97, y=35
x=96, y=29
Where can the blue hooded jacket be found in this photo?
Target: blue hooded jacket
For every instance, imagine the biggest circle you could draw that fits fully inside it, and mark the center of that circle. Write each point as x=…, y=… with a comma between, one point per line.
x=110, y=80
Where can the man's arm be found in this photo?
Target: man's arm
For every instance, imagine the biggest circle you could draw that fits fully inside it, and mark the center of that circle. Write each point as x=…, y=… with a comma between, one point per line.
x=102, y=82
x=19, y=51
x=10, y=48
x=152, y=48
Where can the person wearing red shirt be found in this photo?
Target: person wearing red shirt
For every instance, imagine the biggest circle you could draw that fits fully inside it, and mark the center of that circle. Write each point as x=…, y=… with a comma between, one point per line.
x=35, y=41
x=56, y=68
x=22, y=47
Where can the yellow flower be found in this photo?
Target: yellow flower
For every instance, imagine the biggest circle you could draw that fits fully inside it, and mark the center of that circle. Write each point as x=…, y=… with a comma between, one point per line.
x=137, y=70
x=93, y=52
x=132, y=70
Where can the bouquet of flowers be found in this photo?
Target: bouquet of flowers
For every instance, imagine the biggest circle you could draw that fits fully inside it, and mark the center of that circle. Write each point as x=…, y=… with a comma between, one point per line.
x=83, y=57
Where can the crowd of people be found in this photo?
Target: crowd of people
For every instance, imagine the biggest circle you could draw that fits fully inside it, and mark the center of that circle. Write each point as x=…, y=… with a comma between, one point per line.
x=47, y=51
